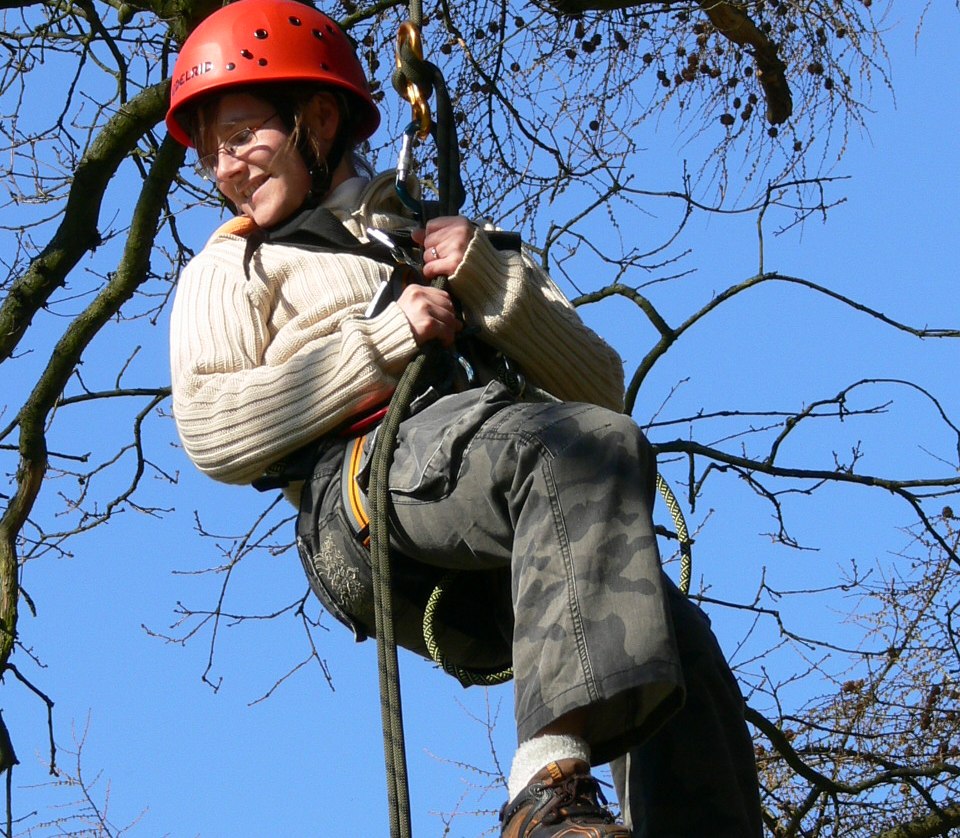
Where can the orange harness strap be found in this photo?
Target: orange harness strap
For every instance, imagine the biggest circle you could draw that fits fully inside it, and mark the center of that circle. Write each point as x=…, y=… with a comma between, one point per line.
x=354, y=501
x=237, y=226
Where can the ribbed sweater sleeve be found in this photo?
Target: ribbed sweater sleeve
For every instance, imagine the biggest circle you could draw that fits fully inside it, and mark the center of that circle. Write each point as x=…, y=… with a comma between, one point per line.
x=266, y=360
x=522, y=313
x=261, y=366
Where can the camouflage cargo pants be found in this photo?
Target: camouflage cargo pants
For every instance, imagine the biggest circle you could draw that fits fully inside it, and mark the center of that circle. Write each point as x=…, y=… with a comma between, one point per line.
x=546, y=510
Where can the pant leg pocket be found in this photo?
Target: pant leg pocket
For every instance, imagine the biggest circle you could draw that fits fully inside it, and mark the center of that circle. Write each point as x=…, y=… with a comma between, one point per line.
x=430, y=444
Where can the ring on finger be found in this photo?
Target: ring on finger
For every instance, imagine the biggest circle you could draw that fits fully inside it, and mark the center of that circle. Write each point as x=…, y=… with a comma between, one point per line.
x=433, y=252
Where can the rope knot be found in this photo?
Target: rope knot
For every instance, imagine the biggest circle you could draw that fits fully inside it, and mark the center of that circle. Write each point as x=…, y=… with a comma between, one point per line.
x=413, y=75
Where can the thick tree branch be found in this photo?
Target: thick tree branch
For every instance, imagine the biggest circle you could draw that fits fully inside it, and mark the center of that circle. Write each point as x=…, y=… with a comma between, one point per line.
x=733, y=22
x=130, y=274
x=78, y=231
x=935, y=824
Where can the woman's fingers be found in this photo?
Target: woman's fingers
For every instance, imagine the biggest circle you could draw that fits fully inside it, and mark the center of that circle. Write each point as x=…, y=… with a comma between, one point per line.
x=444, y=241
x=431, y=314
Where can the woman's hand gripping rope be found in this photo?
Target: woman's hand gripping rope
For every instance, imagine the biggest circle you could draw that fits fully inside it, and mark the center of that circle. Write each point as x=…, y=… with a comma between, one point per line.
x=431, y=312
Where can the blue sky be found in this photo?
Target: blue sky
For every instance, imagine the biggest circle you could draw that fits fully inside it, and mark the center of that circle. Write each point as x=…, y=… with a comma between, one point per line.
x=189, y=761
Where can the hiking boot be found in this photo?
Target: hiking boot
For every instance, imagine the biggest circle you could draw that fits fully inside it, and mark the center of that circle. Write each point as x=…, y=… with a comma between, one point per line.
x=561, y=801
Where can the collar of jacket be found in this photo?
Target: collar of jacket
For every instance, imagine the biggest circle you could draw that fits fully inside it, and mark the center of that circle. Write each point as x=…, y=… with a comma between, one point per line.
x=313, y=225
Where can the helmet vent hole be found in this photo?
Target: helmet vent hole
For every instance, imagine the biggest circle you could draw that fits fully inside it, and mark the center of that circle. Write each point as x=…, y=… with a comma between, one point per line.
x=246, y=53
x=295, y=21
x=318, y=34
x=231, y=66
x=324, y=65
x=260, y=34
x=262, y=62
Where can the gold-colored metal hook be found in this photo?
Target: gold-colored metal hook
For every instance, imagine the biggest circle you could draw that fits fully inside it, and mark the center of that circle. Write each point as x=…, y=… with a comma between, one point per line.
x=408, y=36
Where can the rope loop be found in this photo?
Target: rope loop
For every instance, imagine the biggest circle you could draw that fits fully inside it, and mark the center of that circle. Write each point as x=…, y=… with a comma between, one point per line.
x=467, y=677
x=683, y=535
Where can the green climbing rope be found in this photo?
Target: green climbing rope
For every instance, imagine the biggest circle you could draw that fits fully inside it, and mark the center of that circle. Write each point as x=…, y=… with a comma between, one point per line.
x=416, y=73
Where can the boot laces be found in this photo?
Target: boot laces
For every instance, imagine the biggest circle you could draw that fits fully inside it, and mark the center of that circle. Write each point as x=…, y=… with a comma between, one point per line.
x=578, y=795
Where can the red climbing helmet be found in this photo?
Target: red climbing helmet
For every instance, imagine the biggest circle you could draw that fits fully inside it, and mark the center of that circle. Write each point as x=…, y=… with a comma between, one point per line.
x=259, y=41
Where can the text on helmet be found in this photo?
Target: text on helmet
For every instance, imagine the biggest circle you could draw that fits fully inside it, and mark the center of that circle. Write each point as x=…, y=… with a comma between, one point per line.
x=192, y=73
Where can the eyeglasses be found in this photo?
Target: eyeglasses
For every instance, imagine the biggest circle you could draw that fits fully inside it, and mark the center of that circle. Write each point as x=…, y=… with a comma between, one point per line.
x=238, y=143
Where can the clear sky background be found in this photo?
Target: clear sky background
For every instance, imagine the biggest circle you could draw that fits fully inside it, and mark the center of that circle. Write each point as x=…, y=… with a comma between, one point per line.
x=166, y=749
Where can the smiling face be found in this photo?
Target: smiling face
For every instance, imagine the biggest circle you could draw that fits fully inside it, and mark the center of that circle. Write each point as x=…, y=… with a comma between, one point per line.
x=267, y=180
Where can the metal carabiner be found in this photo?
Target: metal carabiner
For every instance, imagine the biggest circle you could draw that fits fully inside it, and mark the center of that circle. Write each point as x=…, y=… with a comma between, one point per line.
x=408, y=37
x=405, y=165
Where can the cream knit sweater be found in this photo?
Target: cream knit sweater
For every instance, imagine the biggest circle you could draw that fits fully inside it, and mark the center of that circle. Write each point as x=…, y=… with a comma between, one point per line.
x=261, y=366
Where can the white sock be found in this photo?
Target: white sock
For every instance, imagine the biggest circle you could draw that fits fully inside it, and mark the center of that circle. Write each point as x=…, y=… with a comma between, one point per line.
x=540, y=751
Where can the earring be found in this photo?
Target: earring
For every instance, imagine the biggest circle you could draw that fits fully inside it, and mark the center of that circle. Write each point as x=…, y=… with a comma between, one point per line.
x=320, y=175
x=319, y=181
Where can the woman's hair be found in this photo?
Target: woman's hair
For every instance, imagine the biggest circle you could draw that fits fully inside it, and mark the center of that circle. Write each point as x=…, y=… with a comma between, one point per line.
x=290, y=102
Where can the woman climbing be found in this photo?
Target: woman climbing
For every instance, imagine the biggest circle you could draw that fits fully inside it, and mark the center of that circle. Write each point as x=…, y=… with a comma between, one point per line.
x=289, y=332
